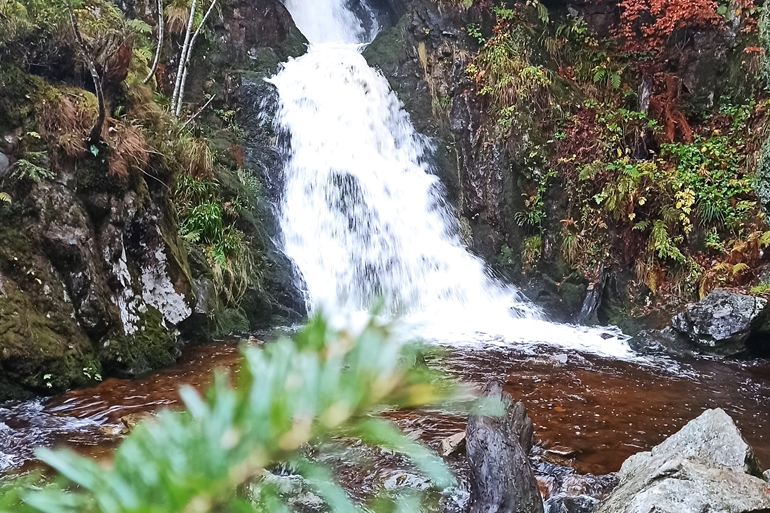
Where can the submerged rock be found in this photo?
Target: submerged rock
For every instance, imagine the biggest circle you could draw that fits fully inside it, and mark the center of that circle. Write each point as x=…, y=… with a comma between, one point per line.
x=722, y=322
x=667, y=340
x=292, y=488
x=705, y=467
x=502, y=480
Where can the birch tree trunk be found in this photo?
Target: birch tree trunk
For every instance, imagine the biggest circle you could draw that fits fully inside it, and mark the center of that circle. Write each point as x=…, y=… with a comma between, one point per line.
x=183, y=81
x=183, y=56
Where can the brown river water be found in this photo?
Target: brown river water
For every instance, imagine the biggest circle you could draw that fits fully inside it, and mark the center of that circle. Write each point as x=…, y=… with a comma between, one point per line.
x=589, y=413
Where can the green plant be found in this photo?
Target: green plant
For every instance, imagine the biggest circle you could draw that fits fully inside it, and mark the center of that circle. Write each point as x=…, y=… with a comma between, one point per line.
x=531, y=250
x=474, y=32
x=208, y=220
x=534, y=213
x=5, y=198
x=323, y=386
x=92, y=373
x=24, y=169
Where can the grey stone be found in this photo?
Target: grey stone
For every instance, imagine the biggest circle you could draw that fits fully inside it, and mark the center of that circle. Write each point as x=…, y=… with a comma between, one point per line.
x=449, y=445
x=5, y=164
x=292, y=488
x=401, y=480
x=766, y=475
x=705, y=467
x=722, y=322
x=501, y=477
x=570, y=504
x=665, y=341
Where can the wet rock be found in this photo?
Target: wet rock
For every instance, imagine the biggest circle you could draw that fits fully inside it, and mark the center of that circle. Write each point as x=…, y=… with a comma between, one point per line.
x=569, y=504
x=500, y=474
x=132, y=420
x=706, y=466
x=452, y=444
x=5, y=164
x=722, y=322
x=406, y=480
x=292, y=488
x=665, y=341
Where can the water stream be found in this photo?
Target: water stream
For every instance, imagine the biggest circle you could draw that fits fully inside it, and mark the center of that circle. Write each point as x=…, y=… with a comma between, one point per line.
x=364, y=219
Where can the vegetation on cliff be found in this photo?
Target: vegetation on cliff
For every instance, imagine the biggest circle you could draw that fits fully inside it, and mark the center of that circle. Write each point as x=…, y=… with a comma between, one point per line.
x=123, y=214
x=640, y=139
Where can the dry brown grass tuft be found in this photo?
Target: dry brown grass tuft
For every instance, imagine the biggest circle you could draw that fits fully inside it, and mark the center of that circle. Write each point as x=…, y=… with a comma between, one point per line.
x=128, y=148
x=66, y=119
x=142, y=109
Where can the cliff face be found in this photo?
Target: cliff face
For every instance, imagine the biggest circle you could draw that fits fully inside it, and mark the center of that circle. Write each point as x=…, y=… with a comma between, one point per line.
x=562, y=144
x=95, y=279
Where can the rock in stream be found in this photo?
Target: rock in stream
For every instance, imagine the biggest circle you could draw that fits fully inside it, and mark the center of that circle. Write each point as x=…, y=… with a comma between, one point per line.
x=502, y=480
x=705, y=467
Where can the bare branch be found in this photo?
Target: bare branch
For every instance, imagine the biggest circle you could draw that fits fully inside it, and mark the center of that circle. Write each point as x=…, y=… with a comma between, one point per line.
x=96, y=132
x=160, y=43
x=197, y=113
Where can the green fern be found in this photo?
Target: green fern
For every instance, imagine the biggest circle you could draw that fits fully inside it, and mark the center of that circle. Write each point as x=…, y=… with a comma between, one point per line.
x=26, y=170
x=5, y=198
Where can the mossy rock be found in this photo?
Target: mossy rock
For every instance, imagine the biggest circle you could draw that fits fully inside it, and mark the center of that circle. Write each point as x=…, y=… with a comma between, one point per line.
x=152, y=346
x=572, y=293
x=41, y=350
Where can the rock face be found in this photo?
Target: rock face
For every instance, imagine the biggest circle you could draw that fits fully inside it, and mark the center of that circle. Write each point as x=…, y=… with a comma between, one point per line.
x=502, y=480
x=705, y=467
x=94, y=282
x=94, y=277
x=722, y=322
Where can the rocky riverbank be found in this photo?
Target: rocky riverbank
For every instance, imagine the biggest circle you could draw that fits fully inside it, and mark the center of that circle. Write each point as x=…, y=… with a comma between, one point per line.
x=107, y=263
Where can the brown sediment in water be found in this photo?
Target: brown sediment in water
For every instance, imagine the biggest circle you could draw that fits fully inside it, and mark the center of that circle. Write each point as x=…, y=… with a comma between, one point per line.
x=589, y=413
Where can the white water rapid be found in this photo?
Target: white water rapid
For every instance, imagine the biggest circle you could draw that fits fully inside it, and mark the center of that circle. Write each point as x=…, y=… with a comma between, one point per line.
x=362, y=216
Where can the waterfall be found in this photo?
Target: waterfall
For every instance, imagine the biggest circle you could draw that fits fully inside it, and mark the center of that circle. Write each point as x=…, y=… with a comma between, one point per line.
x=362, y=215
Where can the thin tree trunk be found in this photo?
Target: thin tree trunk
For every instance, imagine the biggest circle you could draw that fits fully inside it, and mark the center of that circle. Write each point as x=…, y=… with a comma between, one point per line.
x=187, y=58
x=183, y=56
x=160, y=43
x=96, y=132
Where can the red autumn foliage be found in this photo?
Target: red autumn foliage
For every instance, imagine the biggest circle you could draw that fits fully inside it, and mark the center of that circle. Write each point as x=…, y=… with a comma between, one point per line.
x=664, y=106
x=647, y=24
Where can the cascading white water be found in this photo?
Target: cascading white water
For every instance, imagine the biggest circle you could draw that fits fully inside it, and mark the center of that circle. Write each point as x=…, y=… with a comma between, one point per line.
x=362, y=216
x=325, y=21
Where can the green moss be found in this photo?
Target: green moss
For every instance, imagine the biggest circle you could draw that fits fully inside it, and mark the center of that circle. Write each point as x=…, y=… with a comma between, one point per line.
x=388, y=50
x=230, y=321
x=572, y=295
x=41, y=348
x=19, y=94
x=151, y=346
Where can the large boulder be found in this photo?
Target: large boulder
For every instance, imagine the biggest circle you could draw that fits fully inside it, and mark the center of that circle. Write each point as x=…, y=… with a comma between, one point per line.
x=501, y=477
x=723, y=321
x=705, y=467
